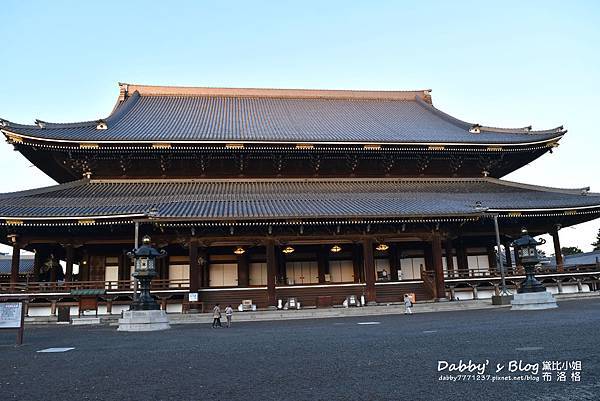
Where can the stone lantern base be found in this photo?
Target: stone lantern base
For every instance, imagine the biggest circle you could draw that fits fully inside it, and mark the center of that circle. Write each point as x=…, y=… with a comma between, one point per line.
x=533, y=301
x=144, y=320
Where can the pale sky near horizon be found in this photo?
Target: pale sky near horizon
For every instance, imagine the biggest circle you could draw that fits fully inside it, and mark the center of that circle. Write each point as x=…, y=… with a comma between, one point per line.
x=509, y=64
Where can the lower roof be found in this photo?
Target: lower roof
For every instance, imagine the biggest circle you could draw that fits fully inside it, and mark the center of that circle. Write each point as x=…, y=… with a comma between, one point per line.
x=25, y=264
x=287, y=199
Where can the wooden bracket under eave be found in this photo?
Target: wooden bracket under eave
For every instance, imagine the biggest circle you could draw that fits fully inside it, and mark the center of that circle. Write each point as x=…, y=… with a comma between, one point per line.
x=13, y=138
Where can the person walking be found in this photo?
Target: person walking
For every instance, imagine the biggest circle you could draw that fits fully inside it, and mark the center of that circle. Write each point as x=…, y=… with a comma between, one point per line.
x=407, y=305
x=228, y=315
x=216, y=316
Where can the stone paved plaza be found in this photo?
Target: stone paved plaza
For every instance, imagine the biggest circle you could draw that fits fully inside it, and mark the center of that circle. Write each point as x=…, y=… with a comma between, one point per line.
x=392, y=357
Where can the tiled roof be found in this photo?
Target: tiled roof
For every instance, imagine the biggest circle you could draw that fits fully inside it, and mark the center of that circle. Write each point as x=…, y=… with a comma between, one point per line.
x=256, y=199
x=150, y=114
x=586, y=258
x=25, y=264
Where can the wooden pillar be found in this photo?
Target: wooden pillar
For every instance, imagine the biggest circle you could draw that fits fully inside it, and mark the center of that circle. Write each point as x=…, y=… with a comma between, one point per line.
x=557, y=252
x=69, y=254
x=438, y=267
x=323, y=262
x=122, y=267
x=195, y=274
x=394, y=261
x=243, y=270
x=15, y=262
x=204, y=261
x=369, y=269
x=492, y=259
x=428, y=257
x=449, y=257
x=357, y=262
x=461, y=258
x=507, y=255
x=164, y=267
x=37, y=264
x=84, y=267
x=55, y=266
x=281, y=275
x=271, y=272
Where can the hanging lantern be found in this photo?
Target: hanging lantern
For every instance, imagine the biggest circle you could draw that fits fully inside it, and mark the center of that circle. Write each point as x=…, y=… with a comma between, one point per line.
x=288, y=249
x=336, y=248
x=382, y=247
x=239, y=250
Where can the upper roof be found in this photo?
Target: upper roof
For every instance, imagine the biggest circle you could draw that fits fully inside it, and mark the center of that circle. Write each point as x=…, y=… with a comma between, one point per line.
x=282, y=199
x=214, y=115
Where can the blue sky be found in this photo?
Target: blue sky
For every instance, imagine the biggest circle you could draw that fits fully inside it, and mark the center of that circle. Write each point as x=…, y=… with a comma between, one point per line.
x=508, y=64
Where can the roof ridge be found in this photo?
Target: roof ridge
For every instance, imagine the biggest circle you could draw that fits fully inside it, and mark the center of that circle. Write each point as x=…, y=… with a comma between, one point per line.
x=292, y=179
x=159, y=90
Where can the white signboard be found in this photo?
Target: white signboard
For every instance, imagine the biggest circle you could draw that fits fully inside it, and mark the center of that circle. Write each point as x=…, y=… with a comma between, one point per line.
x=193, y=297
x=10, y=315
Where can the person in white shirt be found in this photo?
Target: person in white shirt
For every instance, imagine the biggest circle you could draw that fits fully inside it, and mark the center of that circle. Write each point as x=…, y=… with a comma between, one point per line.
x=228, y=315
x=407, y=305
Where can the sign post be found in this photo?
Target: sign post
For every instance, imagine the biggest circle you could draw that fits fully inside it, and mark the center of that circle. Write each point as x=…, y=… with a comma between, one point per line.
x=12, y=316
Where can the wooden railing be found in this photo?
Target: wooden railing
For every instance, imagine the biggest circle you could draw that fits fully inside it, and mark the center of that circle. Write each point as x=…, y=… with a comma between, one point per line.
x=515, y=271
x=68, y=286
x=428, y=277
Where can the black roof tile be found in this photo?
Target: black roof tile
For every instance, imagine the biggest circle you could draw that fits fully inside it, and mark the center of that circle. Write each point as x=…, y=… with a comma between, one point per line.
x=247, y=115
x=254, y=199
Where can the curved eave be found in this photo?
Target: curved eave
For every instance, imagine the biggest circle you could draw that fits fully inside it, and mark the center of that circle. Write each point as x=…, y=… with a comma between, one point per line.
x=92, y=220
x=13, y=136
x=254, y=221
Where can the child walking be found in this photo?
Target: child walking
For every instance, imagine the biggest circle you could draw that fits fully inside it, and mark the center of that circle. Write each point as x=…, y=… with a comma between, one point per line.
x=407, y=305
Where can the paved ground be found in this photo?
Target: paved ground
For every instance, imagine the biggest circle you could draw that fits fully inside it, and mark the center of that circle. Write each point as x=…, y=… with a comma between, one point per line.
x=326, y=359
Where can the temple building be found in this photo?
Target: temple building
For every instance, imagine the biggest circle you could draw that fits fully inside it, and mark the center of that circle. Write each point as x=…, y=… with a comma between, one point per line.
x=267, y=194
